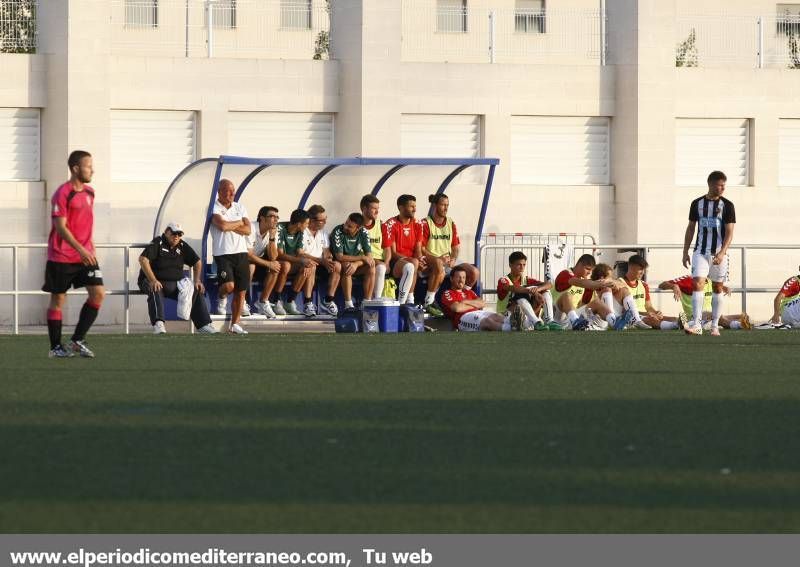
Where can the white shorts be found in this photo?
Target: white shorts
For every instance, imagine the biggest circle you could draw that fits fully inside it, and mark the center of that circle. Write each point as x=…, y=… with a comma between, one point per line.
x=471, y=321
x=703, y=267
x=790, y=315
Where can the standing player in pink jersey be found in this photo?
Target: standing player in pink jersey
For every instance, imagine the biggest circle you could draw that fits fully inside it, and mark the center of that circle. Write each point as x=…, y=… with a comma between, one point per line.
x=71, y=257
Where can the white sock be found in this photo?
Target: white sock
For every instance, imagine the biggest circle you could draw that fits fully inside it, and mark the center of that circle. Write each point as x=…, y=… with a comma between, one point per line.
x=410, y=299
x=716, y=309
x=349, y=303
x=630, y=304
x=668, y=325
x=429, y=296
x=611, y=319
x=405, y=282
x=572, y=316
x=526, y=307
x=506, y=326
x=380, y=278
x=548, y=305
x=608, y=299
x=697, y=306
x=736, y=324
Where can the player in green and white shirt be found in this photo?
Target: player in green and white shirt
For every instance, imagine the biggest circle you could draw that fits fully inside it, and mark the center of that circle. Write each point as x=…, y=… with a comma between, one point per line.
x=296, y=264
x=351, y=246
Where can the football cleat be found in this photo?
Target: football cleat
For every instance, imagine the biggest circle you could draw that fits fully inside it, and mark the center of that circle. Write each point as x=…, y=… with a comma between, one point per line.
x=207, y=330
x=580, y=324
x=264, y=308
x=598, y=323
x=434, y=310
x=707, y=325
x=540, y=326
x=222, y=306
x=309, y=310
x=639, y=324
x=714, y=331
x=278, y=308
x=683, y=321
x=291, y=309
x=744, y=320
x=517, y=319
x=60, y=352
x=80, y=348
x=695, y=329
x=159, y=328
x=246, y=310
x=236, y=329
x=555, y=326
x=623, y=320
x=768, y=326
x=329, y=307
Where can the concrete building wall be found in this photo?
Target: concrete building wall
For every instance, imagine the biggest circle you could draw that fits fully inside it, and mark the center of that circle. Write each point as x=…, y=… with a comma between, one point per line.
x=81, y=73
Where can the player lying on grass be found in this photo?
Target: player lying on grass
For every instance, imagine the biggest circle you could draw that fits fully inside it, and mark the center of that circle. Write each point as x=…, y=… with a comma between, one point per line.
x=530, y=295
x=468, y=312
x=682, y=289
x=573, y=293
x=787, y=304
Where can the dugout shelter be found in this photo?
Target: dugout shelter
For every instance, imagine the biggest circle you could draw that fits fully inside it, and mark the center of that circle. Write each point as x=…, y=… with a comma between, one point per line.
x=337, y=184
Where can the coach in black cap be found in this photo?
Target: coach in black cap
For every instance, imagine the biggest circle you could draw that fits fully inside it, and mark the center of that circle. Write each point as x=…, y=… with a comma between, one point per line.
x=162, y=265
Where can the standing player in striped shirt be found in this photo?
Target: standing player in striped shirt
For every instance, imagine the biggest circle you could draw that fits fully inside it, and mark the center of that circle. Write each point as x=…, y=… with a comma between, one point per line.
x=714, y=217
x=71, y=260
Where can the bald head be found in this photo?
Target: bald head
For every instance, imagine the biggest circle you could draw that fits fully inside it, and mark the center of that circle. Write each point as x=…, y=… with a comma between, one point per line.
x=226, y=192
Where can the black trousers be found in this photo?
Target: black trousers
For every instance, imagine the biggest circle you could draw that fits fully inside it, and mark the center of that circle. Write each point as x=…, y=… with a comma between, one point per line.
x=169, y=290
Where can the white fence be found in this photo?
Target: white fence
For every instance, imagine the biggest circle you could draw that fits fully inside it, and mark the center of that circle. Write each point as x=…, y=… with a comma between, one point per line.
x=484, y=35
x=268, y=29
x=745, y=41
x=18, y=31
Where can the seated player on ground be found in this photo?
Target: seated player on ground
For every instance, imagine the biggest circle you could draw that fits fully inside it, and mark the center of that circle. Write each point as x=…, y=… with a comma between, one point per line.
x=468, y=312
x=262, y=254
x=162, y=263
x=379, y=240
x=295, y=263
x=573, y=292
x=530, y=295
x=646, y=316
x=350, y=245
x=682, y=289
x=405, y=234
x=317, y=245
x=440, y=247
x=787, y=304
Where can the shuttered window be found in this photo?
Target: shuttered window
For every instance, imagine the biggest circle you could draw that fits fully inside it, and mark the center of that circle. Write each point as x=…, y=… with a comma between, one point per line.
x=151, y=145
x=559, y=150
x=19, y=144
x=442, y=136
x=789, y=152
x=703, y=145
x=280, y=134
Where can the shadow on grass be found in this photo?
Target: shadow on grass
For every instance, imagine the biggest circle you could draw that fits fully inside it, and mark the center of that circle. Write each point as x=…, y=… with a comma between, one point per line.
x=621, y=453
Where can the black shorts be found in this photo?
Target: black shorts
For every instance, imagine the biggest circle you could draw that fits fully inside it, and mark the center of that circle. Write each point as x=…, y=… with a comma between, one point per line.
x=234, y=268
x=59, y=276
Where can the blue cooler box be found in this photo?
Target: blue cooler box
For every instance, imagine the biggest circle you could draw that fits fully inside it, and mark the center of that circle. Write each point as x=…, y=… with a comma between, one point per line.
x=388, y=311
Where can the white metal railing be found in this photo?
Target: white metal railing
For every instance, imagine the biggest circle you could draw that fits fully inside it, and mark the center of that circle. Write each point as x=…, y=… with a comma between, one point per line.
x=747, y=41
x=15, y=292
x=275, y=29
x=18, y=29
x=744, y=288
x=502, y=35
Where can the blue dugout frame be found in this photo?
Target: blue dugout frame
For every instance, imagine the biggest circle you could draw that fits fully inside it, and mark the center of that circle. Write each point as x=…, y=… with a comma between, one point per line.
x=260, y=164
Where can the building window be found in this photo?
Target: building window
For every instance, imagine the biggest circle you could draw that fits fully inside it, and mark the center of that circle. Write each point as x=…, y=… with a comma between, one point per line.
x=20, y=132
x=224, y=12
x=296, y=14
x=705, y=144
x=788, y=19
x=451, y=16
x=529, y=16
x=141, y=13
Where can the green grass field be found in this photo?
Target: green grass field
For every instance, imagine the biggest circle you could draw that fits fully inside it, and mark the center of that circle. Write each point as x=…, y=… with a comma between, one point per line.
x=446, y=432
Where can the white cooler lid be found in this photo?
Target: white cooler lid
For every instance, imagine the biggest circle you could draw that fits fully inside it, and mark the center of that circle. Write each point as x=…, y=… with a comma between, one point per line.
x=382, y=302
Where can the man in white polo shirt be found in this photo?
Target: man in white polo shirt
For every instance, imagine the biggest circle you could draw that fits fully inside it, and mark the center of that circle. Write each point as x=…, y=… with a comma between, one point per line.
x=317, y=244
x=230, y=228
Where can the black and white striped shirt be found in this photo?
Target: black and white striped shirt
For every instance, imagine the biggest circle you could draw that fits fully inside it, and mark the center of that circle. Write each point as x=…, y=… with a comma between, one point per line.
x=711, y=217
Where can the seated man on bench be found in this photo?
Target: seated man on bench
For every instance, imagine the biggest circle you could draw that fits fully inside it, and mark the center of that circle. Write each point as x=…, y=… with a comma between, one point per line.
x=351, y=246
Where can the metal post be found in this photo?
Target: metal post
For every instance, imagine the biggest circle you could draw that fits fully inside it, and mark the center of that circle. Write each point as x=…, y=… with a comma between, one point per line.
x=603, y=31
x=744, y=279
x=126, y=259
x=210, y=28
x=15, y=271
x=760, y=38
x=186, y=26
x=492, y=38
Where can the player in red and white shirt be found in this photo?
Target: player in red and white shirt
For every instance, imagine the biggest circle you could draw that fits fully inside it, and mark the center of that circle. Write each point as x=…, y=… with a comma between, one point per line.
x=682, y=289
x=787, y=304
x=466, y=310
x=405, y=233
x=71, y=260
